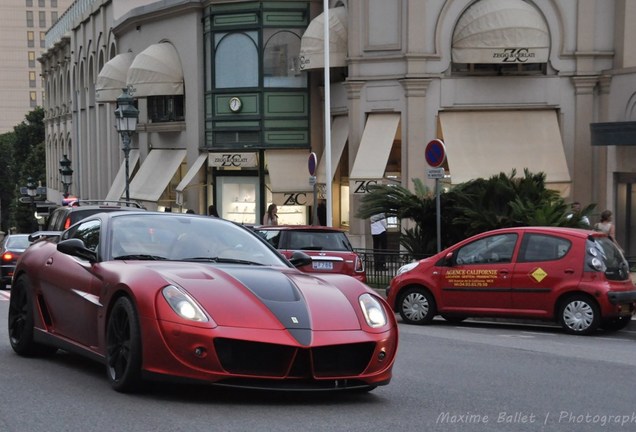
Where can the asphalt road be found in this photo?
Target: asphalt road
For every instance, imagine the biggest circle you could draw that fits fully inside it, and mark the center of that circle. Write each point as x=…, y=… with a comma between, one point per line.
x=476, y=376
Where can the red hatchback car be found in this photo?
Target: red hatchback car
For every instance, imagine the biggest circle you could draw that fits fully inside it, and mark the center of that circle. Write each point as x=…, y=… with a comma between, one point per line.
x=577, y=278
x=329, y=248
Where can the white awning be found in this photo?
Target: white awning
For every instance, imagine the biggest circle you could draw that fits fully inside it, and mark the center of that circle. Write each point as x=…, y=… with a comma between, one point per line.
x=313, y=41
x=112, y=78
x=501, y=31
x=339, y=136
x=156, y=71
x=155, y=174
x=375, y=146
x=194, y=170
x=118, y=187
x=288, y=170
x=480, y=144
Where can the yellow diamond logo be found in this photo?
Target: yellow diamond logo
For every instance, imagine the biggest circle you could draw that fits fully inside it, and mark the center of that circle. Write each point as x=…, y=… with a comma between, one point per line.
x=538, y=274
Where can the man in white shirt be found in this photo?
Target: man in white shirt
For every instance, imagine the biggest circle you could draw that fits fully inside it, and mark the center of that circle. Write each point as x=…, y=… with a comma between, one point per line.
x=378, y=232
x=576, y=209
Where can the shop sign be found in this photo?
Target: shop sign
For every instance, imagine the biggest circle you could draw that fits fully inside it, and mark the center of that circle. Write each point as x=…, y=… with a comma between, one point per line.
x=361, y=186
x=291, y=198
x=233, y=160
x=519, y=55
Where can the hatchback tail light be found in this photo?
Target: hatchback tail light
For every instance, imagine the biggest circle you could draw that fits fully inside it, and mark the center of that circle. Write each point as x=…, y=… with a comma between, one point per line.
x=359, y=265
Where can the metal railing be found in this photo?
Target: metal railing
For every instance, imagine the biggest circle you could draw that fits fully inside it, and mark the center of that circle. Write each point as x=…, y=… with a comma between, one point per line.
x=378, y=275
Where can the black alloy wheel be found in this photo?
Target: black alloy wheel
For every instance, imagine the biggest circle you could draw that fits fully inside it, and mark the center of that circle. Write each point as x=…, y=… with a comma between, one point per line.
x=21, y=322
x=123, y=347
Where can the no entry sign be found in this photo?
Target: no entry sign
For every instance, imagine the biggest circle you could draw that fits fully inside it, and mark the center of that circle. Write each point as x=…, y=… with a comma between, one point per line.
x=435, y=153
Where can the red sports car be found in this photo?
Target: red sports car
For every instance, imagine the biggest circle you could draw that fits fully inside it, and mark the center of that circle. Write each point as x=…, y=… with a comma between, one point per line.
x=197, y=298
x=575, y=277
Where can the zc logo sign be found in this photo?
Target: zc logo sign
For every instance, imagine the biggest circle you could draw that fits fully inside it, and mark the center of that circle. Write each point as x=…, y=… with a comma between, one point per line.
x=514, y=55
x=362, y=186
x=231, y=160
x=295, y=199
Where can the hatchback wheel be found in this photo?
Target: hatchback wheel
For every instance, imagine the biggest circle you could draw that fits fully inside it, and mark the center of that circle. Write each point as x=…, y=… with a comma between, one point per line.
x=579, y=315
x=123, y=347
x=417, y=306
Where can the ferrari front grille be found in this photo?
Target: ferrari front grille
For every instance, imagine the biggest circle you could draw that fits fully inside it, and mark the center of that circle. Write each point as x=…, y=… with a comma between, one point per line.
x=253, y=358
x=342, y=360
x=263, y=359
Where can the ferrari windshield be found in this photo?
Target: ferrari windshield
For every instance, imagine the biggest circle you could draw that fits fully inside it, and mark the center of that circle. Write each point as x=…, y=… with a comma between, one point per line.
x=168, y=236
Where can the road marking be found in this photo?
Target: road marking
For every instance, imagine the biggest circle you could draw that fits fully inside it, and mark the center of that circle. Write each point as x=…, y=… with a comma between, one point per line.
x=4, y=295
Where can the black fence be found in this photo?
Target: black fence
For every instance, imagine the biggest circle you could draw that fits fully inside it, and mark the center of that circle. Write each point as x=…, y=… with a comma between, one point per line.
x=378, y=275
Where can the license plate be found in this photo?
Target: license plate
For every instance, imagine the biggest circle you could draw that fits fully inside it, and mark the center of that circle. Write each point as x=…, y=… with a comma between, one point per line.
x=322, y=265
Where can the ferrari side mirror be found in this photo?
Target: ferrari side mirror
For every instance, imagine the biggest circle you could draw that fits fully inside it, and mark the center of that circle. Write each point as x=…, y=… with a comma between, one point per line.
x=75, y=247
x=299, y=259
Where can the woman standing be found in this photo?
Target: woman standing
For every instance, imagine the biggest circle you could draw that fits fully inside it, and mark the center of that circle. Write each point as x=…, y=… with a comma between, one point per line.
x=607, y=226
x=271, y=217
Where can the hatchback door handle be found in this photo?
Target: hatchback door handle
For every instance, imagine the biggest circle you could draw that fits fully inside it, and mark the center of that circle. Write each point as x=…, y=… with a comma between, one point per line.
x=569, y=271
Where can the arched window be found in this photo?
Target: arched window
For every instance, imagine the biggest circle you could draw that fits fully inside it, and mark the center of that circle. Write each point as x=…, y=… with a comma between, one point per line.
x=236, y=60
x=280, y=60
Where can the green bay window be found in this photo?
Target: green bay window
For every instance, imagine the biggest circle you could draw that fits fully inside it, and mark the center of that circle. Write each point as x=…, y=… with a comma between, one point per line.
x=256, y=95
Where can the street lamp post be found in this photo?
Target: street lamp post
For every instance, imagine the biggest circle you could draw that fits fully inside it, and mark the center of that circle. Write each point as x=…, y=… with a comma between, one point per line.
x=126, y=116
x=67, y=174
x=32, y=191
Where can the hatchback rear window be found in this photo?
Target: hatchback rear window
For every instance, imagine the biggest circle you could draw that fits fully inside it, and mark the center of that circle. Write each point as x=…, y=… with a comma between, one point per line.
x=318, y=240
x=541, y=247
x=602, y=254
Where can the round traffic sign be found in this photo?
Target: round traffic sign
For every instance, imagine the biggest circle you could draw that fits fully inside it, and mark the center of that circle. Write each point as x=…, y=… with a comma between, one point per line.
x=435, y=153
x=311, y=163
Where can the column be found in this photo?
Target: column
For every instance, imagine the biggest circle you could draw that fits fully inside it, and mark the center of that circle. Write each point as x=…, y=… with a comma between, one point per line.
x=583, y=184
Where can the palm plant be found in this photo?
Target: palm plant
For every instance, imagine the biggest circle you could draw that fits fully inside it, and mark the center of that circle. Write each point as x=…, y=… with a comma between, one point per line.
x=503, y=200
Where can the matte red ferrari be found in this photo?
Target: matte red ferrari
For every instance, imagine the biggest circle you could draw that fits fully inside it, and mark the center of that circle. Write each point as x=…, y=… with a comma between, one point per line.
x=196, y=298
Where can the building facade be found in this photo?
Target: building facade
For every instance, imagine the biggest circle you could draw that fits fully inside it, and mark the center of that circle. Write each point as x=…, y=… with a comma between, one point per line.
x=23, y=26
x=231, y=96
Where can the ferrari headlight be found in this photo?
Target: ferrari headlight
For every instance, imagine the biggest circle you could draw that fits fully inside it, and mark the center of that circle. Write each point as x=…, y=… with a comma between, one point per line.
x=183, y=304
x=407, y=268
x=372, y=310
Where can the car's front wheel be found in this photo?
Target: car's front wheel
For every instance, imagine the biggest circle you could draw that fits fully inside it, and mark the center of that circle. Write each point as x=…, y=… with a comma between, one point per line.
x=579, y=315
x=417, y=306
x=123, y=347
x=21, y=322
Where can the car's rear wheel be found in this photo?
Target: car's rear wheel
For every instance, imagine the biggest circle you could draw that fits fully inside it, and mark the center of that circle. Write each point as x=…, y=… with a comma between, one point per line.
x=579, y=315
x=21, y=322
x=417, y=306
x=123, y=347
x=616, y=324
